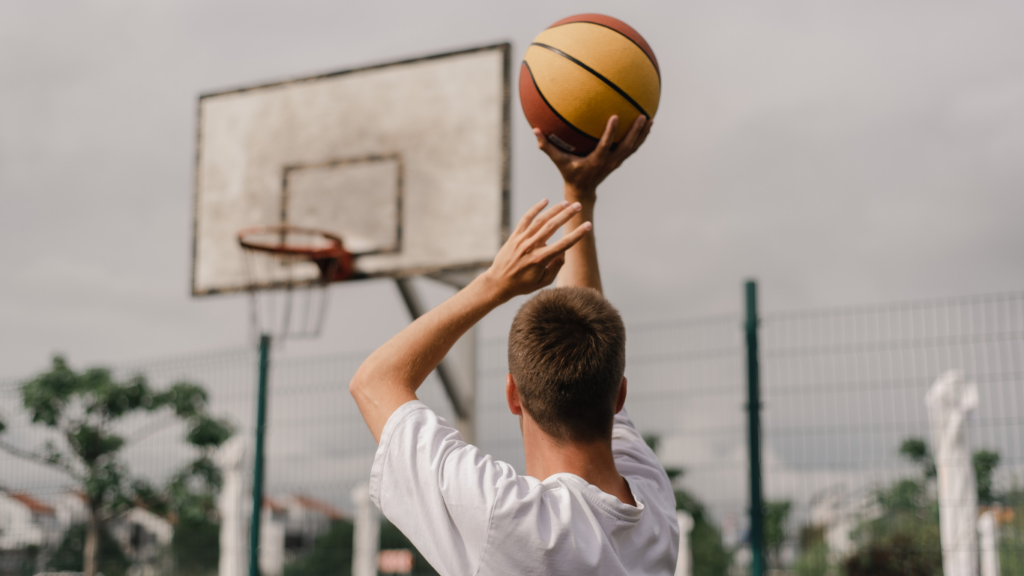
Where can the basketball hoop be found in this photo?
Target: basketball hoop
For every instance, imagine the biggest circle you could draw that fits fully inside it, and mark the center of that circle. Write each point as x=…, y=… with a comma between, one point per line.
x=288, y=263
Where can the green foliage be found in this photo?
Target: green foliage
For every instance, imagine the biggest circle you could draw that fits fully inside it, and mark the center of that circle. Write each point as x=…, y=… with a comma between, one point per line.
x=776, y=515
x=904, y=539
x=985, y=463
x=68, y=556
x=812, y=561
x=331, y=554
x=207, y=432
x=708, y=552
x=915, y=450
x=195, y=546
x=84, y=409
x=1011, y=541
x=898, y=554
x=710, y=556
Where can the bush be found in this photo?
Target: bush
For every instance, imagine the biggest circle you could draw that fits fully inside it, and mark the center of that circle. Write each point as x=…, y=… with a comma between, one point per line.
x=68, y=556
x=196, y=546
x=899, y=554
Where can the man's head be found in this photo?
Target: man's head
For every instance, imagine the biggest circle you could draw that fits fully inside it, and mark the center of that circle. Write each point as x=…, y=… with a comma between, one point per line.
x=567, y=356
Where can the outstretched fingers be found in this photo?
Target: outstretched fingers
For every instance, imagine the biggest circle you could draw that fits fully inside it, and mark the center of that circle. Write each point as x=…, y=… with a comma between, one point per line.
x=527, y=219
x=549, y=222
x=557, y=249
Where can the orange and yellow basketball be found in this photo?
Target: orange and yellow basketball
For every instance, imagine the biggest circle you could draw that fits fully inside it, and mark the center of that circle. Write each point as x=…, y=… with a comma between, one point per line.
x=582, y=70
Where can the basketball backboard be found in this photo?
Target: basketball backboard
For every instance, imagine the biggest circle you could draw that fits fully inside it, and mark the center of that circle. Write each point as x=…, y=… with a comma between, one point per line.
x=407, y=162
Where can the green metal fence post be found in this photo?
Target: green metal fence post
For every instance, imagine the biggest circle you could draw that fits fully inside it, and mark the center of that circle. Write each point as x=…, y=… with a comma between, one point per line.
x=257, y=477
x=754, y=434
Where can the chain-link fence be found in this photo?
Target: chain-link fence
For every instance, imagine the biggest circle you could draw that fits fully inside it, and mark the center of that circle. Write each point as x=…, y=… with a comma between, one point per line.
x=847, y=448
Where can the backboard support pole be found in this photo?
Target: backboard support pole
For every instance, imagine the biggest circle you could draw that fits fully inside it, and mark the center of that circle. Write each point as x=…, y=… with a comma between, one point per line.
x=757, y=566
x=257, y=479
x=457, y=371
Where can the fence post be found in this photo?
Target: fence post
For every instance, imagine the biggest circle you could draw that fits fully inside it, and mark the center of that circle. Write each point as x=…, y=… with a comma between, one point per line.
x=754, y=433
x=257, y=477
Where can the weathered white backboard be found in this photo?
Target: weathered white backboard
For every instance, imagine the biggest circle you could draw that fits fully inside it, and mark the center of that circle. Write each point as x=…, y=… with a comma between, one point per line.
x=406, y=162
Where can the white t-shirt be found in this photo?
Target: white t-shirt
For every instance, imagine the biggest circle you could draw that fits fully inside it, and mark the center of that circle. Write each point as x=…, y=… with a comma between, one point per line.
x=469, y=514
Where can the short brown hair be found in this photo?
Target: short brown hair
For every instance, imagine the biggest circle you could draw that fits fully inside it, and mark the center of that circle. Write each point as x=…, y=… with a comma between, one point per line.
x=567, y=355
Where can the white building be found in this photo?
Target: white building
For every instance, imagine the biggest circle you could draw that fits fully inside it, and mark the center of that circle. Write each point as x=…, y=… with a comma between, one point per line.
x=25, y=521
x=71, y=509
x=142, y=535
x=289, y=527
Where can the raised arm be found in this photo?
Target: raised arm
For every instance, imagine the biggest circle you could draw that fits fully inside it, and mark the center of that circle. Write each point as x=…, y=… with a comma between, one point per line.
x=393, y=373
x=582, y=176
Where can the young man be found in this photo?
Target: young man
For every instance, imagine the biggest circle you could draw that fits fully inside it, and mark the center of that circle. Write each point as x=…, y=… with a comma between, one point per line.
x=594, y=499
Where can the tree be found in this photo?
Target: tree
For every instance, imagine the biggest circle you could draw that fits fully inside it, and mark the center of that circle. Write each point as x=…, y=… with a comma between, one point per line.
x=904, y=539
x=83, y=409
x=68, y=556
x=915, y=450
x=776, y=515
x=332, y=552
x=708, y=552
x=985, y=462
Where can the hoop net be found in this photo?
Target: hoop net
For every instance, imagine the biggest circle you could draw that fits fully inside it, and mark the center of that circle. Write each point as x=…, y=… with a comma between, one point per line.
x=288, y=270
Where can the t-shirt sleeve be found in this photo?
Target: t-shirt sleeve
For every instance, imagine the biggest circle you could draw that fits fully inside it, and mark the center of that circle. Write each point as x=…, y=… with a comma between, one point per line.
x=633, y=457
x=437, y=489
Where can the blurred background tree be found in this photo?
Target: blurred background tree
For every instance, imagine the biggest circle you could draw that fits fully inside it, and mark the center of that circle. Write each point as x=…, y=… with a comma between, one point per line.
x=82, y=410
x=708, y=551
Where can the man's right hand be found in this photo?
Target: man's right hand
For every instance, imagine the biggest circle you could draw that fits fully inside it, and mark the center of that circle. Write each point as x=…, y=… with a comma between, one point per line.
x=527, y=262
x=582, y=174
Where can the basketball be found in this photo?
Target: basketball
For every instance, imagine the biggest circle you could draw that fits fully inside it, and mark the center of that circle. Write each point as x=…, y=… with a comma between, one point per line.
x=582, y=70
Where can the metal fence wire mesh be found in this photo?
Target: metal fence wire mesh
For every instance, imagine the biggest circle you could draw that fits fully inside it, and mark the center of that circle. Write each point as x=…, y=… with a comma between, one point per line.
x=843, y=391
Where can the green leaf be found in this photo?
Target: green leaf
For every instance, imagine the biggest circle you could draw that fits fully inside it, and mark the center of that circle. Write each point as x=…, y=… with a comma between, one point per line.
x=915, y=450
x=985, y=463
x=91, y=443
x=674, y=473
x=208, y=432
x=187, y=399
x=115, y=400
x=46, y=395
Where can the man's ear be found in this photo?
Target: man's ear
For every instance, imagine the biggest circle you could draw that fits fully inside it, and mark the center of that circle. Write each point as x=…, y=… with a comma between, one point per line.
x=512, y=396
x=621, y=400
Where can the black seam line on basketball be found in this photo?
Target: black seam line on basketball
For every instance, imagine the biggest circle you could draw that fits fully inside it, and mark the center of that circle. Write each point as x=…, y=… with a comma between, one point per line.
x=552, y=108
x=619, y=32
x=596, y=74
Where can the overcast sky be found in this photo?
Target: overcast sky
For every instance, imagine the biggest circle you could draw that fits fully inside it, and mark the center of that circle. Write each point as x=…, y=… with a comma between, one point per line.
x=842, y=153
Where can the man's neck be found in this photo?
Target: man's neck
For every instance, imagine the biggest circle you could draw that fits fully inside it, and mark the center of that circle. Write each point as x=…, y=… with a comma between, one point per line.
x=592, y=461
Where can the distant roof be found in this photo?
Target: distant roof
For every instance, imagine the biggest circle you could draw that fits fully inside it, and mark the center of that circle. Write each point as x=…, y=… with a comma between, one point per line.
x=31, y=503
x=322, y=507
x=272, y=505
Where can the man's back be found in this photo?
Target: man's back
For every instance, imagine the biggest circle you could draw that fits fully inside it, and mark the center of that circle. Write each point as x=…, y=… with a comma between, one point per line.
x=469, y=514
x=595, y=499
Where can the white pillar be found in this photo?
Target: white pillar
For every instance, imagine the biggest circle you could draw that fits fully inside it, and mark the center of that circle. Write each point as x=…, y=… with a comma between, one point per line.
x=366, y=537
x=684, y=565
x=230, y=458
x=271, y=553
x=988, y=537
x=949, y=402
